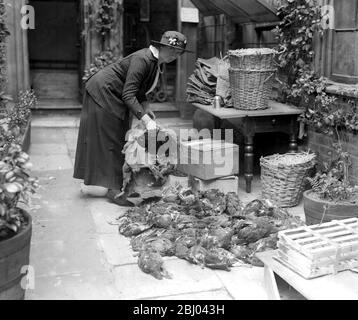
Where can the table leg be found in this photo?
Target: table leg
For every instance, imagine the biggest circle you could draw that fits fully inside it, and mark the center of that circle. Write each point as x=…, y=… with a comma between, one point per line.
x=249, y=161
x=293, y=143
x=270, y=284
x=293, y=135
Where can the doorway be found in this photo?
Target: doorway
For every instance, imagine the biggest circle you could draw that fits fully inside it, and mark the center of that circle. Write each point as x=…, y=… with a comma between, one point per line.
x=55, y=53
x=146, y=20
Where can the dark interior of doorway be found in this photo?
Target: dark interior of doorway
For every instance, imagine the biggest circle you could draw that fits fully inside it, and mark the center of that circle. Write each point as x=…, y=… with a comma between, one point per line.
x=54, y=53
x=146, y=20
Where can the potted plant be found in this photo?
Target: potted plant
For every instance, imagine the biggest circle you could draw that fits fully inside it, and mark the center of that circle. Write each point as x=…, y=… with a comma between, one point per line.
x=16, y=186
x=333, y=196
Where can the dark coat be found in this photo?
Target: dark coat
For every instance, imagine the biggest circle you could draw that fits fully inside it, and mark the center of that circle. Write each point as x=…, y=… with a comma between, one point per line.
x=110, y=94
x=121, y=86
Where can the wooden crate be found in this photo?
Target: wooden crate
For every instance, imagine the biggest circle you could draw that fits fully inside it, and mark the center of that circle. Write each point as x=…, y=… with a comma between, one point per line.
x=321, y=249
x=208, y=159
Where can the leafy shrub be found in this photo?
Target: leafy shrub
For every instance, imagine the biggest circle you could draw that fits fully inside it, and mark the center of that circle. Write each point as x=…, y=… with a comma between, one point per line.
x=16, y=186
x=101, y=60
x=331, y=182
x=13, y=123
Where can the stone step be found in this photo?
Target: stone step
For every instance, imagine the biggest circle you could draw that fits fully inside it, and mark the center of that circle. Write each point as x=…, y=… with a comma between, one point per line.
x=58, y=104
x=55, y=84
x=162, y=110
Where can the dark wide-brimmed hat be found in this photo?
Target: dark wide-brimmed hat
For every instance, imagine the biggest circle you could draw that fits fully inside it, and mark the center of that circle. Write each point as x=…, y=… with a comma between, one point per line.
x=173, y=39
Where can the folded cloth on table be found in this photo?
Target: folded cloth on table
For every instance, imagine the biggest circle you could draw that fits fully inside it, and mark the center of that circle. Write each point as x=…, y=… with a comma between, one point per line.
x=210, y=78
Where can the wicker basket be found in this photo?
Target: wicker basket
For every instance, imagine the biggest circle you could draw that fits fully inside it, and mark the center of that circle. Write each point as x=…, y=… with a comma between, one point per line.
x=283, y=177
x=250, y=89
x=260, y=58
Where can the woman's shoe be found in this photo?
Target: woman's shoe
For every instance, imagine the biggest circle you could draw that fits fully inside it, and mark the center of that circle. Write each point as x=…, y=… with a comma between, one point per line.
x=93, y=191
x=119, y=198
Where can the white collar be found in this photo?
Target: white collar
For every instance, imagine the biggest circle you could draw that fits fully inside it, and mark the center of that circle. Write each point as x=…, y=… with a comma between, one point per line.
x=154, y=51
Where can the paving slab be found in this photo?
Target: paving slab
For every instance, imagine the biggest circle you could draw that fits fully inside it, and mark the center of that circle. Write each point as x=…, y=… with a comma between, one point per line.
x=52, y=258
x=46, y=135
x=64, y=229
x=77, y=286
x=244, y=283
x=51, y=162
x=65, y=121
x=132, y=283
x=105, y=214
x=48, y=149
x=117, y=249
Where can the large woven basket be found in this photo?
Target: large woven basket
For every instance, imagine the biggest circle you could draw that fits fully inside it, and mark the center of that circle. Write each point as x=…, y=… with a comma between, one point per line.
x=283, y=177
x=250, y=89
x=252, y=58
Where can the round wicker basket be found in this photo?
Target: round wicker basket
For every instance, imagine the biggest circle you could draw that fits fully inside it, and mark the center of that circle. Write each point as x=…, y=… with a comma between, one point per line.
x=252, y=58
x=250, y=89
x=283, y=177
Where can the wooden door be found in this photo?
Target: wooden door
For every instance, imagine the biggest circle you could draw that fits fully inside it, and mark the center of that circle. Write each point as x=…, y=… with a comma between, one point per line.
x=341, y=43
x=81, y=45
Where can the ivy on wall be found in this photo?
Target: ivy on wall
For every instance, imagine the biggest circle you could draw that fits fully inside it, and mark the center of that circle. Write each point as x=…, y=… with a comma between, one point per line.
x=103, y=18
x=300, y=85
x=4, y=33
x=301, y=20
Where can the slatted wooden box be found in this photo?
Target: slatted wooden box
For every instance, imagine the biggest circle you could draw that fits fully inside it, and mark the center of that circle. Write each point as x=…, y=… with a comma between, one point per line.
x=208, y=159
x=321, y=249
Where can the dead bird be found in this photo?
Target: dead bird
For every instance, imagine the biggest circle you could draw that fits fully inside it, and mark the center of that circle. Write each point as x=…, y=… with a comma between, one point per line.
x=187, y=197
x=216, y=200
x=253, y=208
x=162, y=245
x=162, y=221
x=133, y=229
x=137, y=214
x=139, y=241
x=218, y=258
x=265, y=244
x=197, y=255
x=255, y=230
x=184, y=221
x=170, y=194
x=217, y=237
x=234, y=206
x=123, y=222
x=151, y=262
x=241, y=252
x=181, y=250
x=171, y=234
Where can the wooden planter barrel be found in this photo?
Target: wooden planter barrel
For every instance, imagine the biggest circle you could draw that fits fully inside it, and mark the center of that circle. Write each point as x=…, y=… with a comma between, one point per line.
x=315, y=208
x=14, y=255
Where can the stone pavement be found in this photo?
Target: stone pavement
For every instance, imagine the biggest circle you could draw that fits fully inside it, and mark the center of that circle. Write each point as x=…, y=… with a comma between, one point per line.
x=77, y=252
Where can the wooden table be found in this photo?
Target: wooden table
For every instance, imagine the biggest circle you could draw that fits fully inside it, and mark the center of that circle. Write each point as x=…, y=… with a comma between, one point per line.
x=342, y=286
x=277, y=117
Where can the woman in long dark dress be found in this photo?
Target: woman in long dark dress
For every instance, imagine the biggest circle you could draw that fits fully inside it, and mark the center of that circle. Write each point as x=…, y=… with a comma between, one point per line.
x=110, y=96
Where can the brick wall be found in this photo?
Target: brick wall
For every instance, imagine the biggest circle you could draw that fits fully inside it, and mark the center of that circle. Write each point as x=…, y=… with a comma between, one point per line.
x=322, y=144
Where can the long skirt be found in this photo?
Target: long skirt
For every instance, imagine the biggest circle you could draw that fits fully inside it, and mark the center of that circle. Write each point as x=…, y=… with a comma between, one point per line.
x=101, y=138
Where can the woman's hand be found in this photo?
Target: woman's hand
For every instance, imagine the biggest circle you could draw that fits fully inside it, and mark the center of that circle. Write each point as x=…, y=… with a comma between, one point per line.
x=149, y=123
x=147, y=110
x=151, y=114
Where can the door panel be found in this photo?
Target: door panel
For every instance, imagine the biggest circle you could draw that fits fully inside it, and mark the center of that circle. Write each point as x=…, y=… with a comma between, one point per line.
x=346, y=13
x=344, y=45
x=344, y=54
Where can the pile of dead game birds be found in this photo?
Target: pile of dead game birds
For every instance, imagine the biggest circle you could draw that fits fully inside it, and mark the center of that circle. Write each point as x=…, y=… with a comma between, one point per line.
x=209, y=229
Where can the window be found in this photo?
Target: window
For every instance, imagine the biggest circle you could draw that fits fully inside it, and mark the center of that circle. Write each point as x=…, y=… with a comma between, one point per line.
x=340, y=44
x=212, y=36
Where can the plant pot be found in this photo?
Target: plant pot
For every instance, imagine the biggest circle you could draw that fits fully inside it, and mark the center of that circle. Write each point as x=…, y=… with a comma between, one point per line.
x=14, y=255
x=26, y=138
x=315, y=209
